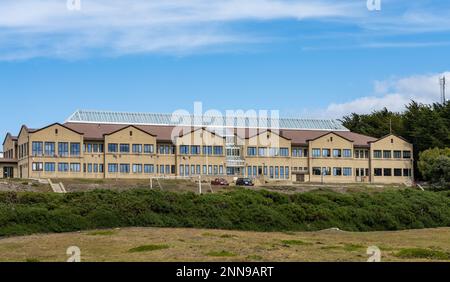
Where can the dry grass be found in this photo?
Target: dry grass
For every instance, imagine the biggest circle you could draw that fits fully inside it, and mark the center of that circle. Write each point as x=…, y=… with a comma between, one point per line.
x=162, y=244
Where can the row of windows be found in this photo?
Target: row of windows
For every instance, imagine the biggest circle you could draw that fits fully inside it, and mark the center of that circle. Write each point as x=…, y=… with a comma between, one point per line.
x=186, y=170
x=49, y=149
x=135, y=148
x=336, y=171
x=93, y=148
x=9, y=154
x=347, y=171
x=51, y=167
x=327, y=153
x=361, y=154
x=274, y=172
x=387, y=154
x=23, y=150
x=262, y=152
x=300, y=152
x=196, y=150
x=406, y=172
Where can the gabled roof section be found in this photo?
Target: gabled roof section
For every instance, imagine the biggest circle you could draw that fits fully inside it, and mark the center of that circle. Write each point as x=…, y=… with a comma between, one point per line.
x=131, y=126
x=9, y=135
x=328, y=133
x=260, y=132
x=184, y=133
x=155, y=119
x=390, y=135
x=53, y=124
x=24, y=127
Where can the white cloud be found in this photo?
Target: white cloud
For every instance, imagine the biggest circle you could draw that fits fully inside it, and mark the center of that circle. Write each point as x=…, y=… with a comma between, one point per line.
x=393, y=94
x=30, y=28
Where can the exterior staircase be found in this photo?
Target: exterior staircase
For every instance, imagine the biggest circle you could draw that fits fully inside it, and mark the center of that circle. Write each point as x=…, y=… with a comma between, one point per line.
x=57, y=187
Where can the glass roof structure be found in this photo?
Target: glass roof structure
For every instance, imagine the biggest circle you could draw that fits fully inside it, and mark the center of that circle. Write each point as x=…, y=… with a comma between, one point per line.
x=178, y=119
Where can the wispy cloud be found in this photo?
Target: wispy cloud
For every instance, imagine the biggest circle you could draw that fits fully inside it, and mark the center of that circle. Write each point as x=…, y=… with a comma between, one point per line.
x=393, y=94
x=30, y=28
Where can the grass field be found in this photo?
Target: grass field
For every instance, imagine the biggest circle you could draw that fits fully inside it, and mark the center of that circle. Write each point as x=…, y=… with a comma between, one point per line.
x=168, y=245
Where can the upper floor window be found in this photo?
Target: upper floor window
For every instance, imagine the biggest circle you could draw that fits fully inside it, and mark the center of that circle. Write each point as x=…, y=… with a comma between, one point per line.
x=251, y=151
x=347, y=153
x=406, y=154
x=218, y=150
x=207, y=150
x=75, y=149
x=49, y=149
x=262, y=152
x=63, y=149
x=387, y=154
x=337, y=153
x=297, y=152
x=37, y=148
x=326, y=153
x=149, y=149
x=124, y=148
x=284, y=152
x=397, y=154
x=195, y=150
x=113, y=148
x=137, y=148
x=316, y=153
x=377, y=154
x=273, y=152
x=184, y=149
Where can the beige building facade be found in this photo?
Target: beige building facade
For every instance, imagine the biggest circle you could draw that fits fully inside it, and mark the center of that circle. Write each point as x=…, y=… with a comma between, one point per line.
x=110, y=150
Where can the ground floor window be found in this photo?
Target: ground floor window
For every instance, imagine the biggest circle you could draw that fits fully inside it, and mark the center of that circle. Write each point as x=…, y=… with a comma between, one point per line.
x=50, y=167
x=63, y=167
x=75, y=167
x=37, y=166
x=316, y=171
x=137, y=168
x=149, y=168
x=378, y=172
x=347, y=171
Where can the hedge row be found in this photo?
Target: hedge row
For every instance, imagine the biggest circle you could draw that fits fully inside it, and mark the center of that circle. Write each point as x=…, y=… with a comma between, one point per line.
x=28, y=213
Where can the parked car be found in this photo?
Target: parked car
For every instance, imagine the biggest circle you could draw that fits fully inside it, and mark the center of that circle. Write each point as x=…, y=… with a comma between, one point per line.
x=220, y=182
x=244, y=182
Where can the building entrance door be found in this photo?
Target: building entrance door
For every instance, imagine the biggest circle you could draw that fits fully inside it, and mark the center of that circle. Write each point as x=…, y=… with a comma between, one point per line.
x=300, y=178
x=8, y=172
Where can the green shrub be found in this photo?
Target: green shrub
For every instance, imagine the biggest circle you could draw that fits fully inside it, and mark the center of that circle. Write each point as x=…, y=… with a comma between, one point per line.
x=418, y=253
x=28, y=213
x=148, y=248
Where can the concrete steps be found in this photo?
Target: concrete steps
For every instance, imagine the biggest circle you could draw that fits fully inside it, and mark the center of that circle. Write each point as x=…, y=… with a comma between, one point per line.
x=57, y=187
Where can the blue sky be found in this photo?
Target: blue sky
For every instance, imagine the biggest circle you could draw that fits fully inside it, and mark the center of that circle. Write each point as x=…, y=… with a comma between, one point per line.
x=319, y=59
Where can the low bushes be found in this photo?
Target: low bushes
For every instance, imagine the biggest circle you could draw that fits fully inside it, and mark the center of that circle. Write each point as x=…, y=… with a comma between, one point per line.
x=27, y=213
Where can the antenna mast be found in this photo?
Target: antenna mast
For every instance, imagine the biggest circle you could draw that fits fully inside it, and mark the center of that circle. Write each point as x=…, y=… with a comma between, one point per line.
x=442, y=83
